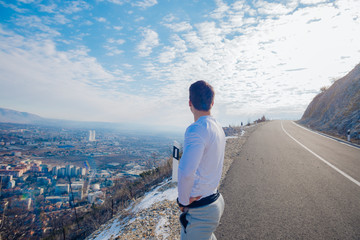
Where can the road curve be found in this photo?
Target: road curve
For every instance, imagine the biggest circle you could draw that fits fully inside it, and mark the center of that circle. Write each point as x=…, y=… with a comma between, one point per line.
x=286, y=185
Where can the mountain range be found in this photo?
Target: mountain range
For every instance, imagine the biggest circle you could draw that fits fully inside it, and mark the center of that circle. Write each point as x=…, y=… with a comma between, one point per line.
x=17, y=117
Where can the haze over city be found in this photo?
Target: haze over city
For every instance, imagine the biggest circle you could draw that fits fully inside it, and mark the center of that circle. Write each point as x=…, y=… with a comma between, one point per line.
x=133, y=61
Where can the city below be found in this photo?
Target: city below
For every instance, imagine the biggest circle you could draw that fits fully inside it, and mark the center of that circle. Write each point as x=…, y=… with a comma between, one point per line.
x=46, y=172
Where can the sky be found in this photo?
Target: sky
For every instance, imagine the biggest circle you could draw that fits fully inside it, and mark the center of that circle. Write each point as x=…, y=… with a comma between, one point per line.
x=133, y=61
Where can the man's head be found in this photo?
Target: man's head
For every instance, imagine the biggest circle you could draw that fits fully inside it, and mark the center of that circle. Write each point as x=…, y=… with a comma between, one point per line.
x=201, y=95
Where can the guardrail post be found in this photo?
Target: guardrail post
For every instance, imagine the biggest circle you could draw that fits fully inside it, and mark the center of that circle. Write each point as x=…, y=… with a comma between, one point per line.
x=175, y=163
x=348, y=135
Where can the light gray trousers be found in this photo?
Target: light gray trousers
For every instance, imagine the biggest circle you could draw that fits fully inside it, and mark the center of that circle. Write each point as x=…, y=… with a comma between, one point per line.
x=203, y=221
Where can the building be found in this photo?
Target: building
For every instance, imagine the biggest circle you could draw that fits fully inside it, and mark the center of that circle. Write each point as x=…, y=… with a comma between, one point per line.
x=61, y=189
x=43, y=180
x=39, y=191
x=92, y=197
x=77, y=195
x=17, y=154
x=5, y=167
x=68, y=170
x=55, y=170
x=44, y=168
x=77, y=190
x=77, y=185
x=13, y=172
x=61, y=172
x=73, y=171
x=11, y=184
x=4, y=179
x=56, y=199
x=95, y=187
x=80, y=171
x=21, y=203
x=35, y=168
x=92, y=136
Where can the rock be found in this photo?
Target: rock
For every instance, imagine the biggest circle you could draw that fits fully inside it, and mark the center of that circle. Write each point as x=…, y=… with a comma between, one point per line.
x=336, y=109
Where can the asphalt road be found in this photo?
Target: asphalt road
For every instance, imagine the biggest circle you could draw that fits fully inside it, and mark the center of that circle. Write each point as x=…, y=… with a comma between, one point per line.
x=278, y=189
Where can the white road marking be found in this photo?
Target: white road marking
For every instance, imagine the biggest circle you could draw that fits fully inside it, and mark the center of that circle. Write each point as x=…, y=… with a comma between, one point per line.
x=322, y=159
x=324, y=136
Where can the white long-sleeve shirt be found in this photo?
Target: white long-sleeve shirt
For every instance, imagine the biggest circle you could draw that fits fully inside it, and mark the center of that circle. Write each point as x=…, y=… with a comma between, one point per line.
x=202, y=161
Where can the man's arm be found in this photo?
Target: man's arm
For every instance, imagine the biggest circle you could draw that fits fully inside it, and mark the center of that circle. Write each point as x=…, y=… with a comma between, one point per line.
x=193, y=151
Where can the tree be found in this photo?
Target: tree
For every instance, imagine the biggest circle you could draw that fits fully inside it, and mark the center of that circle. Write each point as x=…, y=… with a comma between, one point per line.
x=323, y=89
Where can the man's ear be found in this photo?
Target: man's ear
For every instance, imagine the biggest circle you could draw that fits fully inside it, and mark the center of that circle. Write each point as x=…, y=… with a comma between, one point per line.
x=190, y=103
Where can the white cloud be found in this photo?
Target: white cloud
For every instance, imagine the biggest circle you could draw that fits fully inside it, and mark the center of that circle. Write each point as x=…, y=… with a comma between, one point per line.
x=48, y=8
x=179, y=27
x=209, y=33
x=119, y=2
x=270, y=8
x=260, y=61
x=312, y=1
x=118, y=28
x=168, y=55
x=70, y=85
x=13, y=7
x=61, y=19
x=26, y=1
x=151, y=40
x=37, y=23
x=117, y=41
x=221, y=10
x=277, y=62
x=145, y=3
x=169, y=18
x=139, y=19
x=100, y=19
x=112, y=50
x=128, y=66
x=76, y=6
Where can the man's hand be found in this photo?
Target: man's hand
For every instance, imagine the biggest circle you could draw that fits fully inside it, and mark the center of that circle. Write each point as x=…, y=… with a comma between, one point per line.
x=191, y=200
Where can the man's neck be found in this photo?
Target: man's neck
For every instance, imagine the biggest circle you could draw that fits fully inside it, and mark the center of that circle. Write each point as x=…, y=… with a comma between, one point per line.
x=197, y=114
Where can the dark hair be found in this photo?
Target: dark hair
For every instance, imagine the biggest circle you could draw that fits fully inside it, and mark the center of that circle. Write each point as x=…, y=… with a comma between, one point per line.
x=201, y=95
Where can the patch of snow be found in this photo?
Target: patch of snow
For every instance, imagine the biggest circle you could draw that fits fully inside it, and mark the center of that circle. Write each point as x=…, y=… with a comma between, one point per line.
x=111, y=230
x=157, y=196
x=241, y=134
x=162, y=231
x=114, y=227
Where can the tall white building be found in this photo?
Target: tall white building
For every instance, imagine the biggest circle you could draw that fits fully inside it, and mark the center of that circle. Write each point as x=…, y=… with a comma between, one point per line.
x=92, y=136
x=68, y=170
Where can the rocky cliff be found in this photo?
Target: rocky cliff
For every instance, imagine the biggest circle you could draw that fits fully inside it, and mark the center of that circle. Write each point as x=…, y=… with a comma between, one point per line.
x=337, y=109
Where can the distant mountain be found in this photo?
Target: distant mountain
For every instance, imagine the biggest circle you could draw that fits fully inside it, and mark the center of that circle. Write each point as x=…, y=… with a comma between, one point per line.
x=16, y=117
x=12, y=116
x=337, y=109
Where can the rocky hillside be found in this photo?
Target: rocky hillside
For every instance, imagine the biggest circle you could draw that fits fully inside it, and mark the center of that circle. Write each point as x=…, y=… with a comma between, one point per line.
x=337, y=109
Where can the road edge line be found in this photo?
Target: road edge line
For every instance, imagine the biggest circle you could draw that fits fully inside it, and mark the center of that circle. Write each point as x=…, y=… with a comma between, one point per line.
x=322, y=159
x=328, y=137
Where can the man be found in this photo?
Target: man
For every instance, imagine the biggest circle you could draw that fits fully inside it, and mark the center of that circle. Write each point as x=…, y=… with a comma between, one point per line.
x=200, y=168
